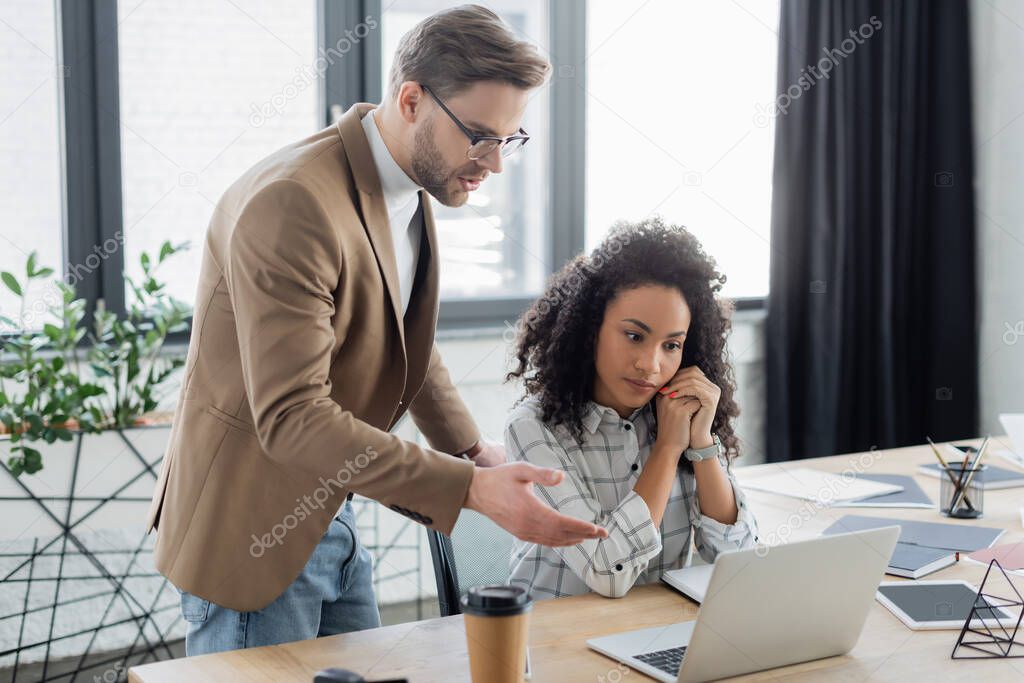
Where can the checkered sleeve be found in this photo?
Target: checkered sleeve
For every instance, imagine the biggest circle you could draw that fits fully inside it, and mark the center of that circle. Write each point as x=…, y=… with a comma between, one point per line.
x=608, y=566
x=711, y=536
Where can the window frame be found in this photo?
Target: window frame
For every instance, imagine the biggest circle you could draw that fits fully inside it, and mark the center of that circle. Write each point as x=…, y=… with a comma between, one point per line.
x=90, y=123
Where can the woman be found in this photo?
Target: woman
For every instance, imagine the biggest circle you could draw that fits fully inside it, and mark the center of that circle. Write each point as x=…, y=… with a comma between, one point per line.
x=629, y=391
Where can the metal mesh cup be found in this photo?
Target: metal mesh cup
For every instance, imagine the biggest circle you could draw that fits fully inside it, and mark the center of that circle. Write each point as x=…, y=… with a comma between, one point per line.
x=959, y=499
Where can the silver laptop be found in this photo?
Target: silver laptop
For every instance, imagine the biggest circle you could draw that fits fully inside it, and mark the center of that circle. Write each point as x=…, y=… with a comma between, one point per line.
x=767, y=607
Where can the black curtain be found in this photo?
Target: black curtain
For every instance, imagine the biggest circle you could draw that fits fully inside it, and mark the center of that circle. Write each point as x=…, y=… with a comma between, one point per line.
x=872, y=330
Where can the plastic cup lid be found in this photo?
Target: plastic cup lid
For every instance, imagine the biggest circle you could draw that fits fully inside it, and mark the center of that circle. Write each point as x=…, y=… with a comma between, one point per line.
x=496, y=600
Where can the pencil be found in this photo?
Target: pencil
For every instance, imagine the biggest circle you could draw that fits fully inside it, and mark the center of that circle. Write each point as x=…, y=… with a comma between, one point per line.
x=958, y=484
x=974, y=468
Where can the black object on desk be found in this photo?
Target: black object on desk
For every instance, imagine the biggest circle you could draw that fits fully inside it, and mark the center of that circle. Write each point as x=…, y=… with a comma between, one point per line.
x=336, y=675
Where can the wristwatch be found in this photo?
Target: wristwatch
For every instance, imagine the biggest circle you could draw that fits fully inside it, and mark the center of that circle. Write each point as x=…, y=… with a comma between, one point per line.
x=698, y=454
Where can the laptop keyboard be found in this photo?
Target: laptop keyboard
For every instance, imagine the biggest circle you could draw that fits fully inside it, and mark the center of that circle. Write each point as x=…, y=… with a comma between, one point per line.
x=668, y=660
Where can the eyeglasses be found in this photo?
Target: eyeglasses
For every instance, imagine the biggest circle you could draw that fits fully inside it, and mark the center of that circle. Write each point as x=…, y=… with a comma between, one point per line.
x=482, y=145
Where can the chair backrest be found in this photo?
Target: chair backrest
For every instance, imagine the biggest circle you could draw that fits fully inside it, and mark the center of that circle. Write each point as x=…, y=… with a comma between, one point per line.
x=478, y=552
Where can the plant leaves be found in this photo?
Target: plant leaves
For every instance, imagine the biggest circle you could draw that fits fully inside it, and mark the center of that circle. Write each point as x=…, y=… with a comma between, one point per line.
x=11, y=282
x=100, y=370
x=67, y=292
x=90, y=390
x=33, y=460
x=16, y=465
x=35, y=421
x=133, y=364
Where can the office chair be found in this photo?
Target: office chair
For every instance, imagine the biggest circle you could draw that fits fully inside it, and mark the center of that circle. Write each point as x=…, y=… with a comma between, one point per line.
x=478, y=552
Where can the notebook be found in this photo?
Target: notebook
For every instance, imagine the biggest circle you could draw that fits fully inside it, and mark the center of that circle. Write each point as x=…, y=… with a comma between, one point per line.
x=691, y=581
x=989, y=479
x=923, y=547
x=1010, y=556
x=915, y=561
x=912, y=495
x=824, y=488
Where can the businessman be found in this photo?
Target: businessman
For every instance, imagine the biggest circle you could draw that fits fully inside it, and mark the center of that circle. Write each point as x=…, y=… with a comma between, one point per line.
x=313, y=334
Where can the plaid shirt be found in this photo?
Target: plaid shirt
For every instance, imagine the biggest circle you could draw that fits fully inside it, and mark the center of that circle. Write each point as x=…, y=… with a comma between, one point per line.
x=600, y=474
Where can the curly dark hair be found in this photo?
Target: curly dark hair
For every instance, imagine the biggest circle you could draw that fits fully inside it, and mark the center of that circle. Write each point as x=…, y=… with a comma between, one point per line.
x=557, y=339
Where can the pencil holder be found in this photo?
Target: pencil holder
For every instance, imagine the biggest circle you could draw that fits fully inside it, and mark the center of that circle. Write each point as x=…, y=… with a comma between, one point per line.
x=957, y=497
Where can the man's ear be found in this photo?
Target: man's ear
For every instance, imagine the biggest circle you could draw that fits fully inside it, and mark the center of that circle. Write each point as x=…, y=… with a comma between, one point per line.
x=410, y=101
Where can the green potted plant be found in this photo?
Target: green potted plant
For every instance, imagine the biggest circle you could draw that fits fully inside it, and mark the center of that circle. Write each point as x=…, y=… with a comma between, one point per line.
x=126, y=351
x=41, y=395
x=44, y=397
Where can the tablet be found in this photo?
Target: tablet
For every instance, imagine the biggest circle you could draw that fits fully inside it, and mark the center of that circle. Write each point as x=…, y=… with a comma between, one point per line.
x=923, y=605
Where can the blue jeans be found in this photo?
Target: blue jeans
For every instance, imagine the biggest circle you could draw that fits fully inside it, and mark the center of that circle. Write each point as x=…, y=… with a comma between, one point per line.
x=333, y=594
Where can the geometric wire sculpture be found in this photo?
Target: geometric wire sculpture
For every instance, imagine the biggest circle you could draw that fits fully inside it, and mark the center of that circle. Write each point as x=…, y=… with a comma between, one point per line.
x=106, y=578
x=984, y=610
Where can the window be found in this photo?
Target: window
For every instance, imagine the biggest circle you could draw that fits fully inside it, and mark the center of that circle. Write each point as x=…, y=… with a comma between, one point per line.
x=31, y=202
x=496, y=245
x=677, y=95
x=653, y=107
x=207, y=90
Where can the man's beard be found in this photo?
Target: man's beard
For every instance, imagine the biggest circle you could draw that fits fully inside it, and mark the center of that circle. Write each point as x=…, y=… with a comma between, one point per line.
x=430, y=170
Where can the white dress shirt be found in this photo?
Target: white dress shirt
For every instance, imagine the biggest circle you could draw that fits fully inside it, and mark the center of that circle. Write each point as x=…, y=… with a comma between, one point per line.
x=401, y=195
x=600, y=473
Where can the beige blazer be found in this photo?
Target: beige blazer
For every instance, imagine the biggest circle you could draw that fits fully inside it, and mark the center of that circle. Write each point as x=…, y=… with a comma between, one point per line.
x=299, y=364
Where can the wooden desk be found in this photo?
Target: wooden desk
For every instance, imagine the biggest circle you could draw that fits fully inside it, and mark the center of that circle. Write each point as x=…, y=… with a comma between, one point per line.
x=435, y=650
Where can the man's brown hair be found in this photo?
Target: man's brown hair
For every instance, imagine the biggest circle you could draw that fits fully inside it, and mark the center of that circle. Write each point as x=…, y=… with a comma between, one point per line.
x=453, y=49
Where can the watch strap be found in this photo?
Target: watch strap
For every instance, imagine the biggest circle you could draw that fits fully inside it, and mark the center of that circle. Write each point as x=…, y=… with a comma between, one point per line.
x=706, y=453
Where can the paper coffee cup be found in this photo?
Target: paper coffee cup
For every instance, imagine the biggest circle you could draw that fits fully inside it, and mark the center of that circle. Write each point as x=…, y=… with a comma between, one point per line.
x=497, y=628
